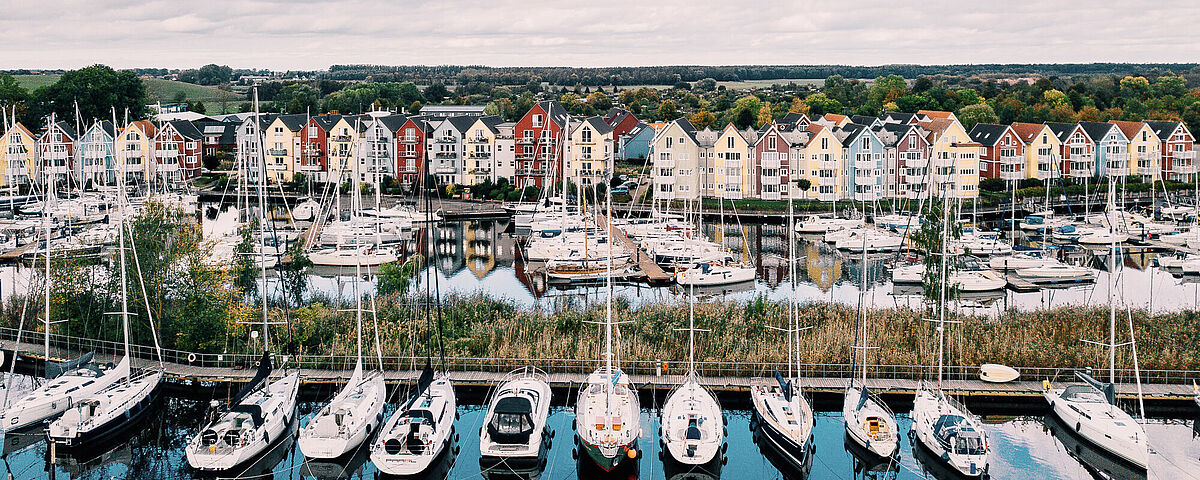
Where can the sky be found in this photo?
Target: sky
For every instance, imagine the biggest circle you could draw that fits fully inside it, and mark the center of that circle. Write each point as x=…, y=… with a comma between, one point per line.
x=313, y=34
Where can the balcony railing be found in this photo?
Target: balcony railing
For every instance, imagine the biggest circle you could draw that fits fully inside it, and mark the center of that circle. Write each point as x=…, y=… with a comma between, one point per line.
x=278, y=152
x=664, y=163
x=340, y=138
x=770, y=162
x=1184, y=155
x=865, y=164
x=445, y=155
x=410, y=139
x=944, y=178
x=479, y=155
x=943, y=162
x=447, y=140
x=1012, y=175
x=826, y=180
x=477, y=140
x=827, y=164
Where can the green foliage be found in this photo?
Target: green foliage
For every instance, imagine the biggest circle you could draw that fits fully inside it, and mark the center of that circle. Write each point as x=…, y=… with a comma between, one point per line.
x=929, y=239
x=971, y=115
x=396, y=277
x=98, y=89
x=245, y=272
x=210, y=74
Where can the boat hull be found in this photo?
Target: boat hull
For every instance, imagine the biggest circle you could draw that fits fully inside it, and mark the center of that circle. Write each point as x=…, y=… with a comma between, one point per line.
x=115, y=427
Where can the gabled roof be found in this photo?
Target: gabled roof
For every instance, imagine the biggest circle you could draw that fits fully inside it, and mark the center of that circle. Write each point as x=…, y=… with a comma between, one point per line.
x=554, y=111
x=597, y=122
x=835, y=118
x=1130, y=129
x=864, y=120
x=1163, y=129
x=891, y=133
x=1063, y=130
x=898, y=117
x=1097, y=130
x=937, y=125
x=326, y=122
x=791, y=118
x=186, y=129
x=146, y=126
x=461, y=123
x=1027, y=132
x=707, y=137
x=392, y=122
x=638, y=129
x=105, y=126
x=849, y=132
x=686, y=126
x=988, y=134
x=293, y=122
x=66, y=128
x=492, y=122
x=936, y=114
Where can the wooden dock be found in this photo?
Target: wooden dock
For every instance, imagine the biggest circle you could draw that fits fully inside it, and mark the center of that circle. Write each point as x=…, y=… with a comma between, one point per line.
x=1019, y=284
x=15, y=255
x=655, y=275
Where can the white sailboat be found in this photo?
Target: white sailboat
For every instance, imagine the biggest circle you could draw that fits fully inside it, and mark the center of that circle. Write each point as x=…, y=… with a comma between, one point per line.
x=869, y=422
x=422, y=429
x=941, y=424
x=354, y=413
x=692, y=427
x=781, y=412
x=261, y=412
x=118, y=407
x=73, y=379
x=515, y=436
x=1090, y=408
x=608, y=411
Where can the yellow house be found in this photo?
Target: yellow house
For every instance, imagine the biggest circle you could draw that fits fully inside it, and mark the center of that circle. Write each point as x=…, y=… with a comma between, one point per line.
x=590, y=151
x=955, y=158
x=733, y=169
x=1041, y=150
x=341, y=140
x=135, y=150
x=18, y=146
x=281, y=140
x=821, y=164
x=1144, y=145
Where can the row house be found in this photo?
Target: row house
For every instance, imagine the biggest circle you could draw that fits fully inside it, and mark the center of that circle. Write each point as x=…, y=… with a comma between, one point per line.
x=281, y=138
x=777, y=147
x=908, y=154
x=505, y=164
x=1111, y=147
x=635, y=143
x=731, y=174
x=177, y=150
x=446, y=150
x=955, y=158
x=1003, y=155
x=1144, y=156
x=863, y=166
x=97, y=154
x=135, y=149
x=480, y=150
x=1042, y=150
x=821, y=163
x=219, y=138
x=56, y=149
x=1077, y=151
x=676, y=161
x=1178, y=155
x=314, y=147
x=377, y=158
x=19, y=147
x=539, y=149
x=589, y=151
x=411, y=139
x=342, y=136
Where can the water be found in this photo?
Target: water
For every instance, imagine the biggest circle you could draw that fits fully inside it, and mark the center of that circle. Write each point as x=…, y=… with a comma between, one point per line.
x=1022, y=447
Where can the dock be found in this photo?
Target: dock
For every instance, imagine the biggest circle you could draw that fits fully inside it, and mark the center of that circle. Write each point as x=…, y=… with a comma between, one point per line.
x=655, y=275
x=1018, y=284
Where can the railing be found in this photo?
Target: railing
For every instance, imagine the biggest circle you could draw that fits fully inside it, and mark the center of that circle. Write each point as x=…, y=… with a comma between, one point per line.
x=477, y=140
x=769, y=162
x=664, y=163
x=1012, y=175
x=479, y=155
x=277, y=152
x=409, y=139
x=826, y=180
x=340, y=138
x=1184, y=154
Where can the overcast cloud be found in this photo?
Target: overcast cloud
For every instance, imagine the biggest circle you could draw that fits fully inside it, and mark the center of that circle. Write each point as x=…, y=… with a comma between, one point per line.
x=311, y=34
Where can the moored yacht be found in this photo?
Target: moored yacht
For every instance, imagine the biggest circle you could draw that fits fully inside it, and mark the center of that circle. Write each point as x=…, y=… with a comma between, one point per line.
x=515, y=436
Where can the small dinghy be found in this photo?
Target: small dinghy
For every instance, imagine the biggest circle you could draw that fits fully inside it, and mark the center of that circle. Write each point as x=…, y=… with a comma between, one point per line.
x=996, y=373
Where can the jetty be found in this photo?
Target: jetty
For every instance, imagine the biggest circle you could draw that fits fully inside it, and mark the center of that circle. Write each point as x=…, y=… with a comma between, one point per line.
x=654, y=274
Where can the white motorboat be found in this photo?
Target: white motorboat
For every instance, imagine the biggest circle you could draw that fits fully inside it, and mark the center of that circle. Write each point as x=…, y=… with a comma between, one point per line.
x=946, y=428
x=1020, y=261
x=365, y=230
x=1191, y=236
x=1102, y=236
x=1090, y=412
x=876, y=241
x=1058, y=273
x=306, y=210
x=1067, y=233
x=347, y=256
x=515, y=436
x=1170, y=262
x=253, y=420
x=964, y=280
x=817, y=224
x=1178, y=212
x=907, y=274
x=1042, y=221
x=981, y=243
x=404, y=213
x=715, y=273
x=899, y=223
x=420, y=430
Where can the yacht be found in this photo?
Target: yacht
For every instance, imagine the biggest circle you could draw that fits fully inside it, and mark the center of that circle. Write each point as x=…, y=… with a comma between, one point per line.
x=420, y=430
x=692, y=427
x=817, y=224
x=515, y=436
x=868, y=421
x=710, y=273
x=346, y=256
x=1018, y=261
x=1090, y=408
x=1057, y=273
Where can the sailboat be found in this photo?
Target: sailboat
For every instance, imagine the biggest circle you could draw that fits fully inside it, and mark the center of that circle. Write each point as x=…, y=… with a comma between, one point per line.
x=941, y=424
x=1090, y=408
x=119, y=406
x=722, y=269
x=414, y=439
x=608, y=411
x=260, y=413
x=73, y=379
x=869, y=422
x=692, y=427
x=353, y=414
x=781, y=412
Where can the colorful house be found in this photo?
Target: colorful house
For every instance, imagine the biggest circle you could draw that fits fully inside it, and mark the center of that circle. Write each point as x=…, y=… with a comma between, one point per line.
x=342, y=136
x=1145, y=159
x=313, y=157
x=678, y=156
x=733, y=171
x=774, y=152
x=539, y=148
x=480, y=162
x=1112, y=148
x=177, y=150
x=1042, y=150
x=97, y=155
x=590, y=151
x=19, y=146
x=135, y=147
x=635, y=144
x=56, y=151
x=1178, y=155
x=1003, y=154
x=822, y=164
x=863, y=167
x=955, y=158
x=909, y=144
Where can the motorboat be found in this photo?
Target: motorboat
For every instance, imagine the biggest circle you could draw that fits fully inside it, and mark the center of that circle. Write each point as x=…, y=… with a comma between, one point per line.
x=946, y=428
x=1018, y=261
x=1171, y=262
x=1178, y=212
x=1089, y=408
x=981, y=243
x=876, y=241
x=256, y=417
x=963, y=280
x=420, y=430
x=908, y=274
x=404, y=213
x=898, y=222
x=1190, y=266
x=1058, y=273
x=1066, y=233
x=515, y=435
x=1042, y=222
x=1102, y=236
x=813, y=224
x=1191, y=236
x=306, y=210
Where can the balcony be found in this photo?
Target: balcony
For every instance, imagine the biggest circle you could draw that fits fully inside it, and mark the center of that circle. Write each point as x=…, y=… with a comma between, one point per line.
x=770, y=180
x=447, y=139
x=340, y=138
x=664, y=163
x=733, y=163
x=664, y=180
x=477, y=140
x=866, y=164
x=409, y=154
x=410, y=139
x=479, y=155
x=827, y=197
x=944, y=178
x=531, y=171
x=1183, y=168
x=865, y=196
x=480, y=170
x=769, y=162
x=277, y=152
x=526, y=141
x=826, y=180
x=943, y=162
x=446, y=170
x=1184, y=155
x=310, y=168
x=770, y=196
x=445, y=155
x=826, y=164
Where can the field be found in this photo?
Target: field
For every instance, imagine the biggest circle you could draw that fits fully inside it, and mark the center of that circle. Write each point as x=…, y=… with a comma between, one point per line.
x=158, y=91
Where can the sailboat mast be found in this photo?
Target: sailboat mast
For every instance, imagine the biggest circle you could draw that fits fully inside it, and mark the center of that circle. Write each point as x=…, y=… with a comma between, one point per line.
x=262, y=221
x=692, y=328
x=124, y=283
x=1112, y=286
x=945, y=271
x=46, y=227
x=791, y=236
x=608, y=321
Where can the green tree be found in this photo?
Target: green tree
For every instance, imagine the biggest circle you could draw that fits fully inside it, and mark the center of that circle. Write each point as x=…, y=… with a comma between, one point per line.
x=702, y=119
x=971, y=115
x=13, y=95
x=929, y=239
x=1055, y=98
x=667, y=111
x=297, y=98
x=436, y=92
x=98, y=89
x=396, y=278
x=1135, y=88
x=819, y=104
x=706, y=85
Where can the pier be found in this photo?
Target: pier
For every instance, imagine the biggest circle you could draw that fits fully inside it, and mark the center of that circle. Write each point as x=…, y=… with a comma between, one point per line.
x=655, y=275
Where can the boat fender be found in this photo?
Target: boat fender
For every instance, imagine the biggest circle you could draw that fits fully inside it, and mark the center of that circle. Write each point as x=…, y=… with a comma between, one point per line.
x=945, y=457
x=633, y=454
x=724, y=460
x=191, y=358
x=1045, y=385
x=724, y=447
x=725, y=431
x=574, y=454
x=1077, y=425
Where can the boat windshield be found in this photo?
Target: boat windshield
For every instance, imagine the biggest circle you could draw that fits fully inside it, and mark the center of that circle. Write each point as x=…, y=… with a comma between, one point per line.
x=956, y=433
x=969, y=443
x=1083, y=394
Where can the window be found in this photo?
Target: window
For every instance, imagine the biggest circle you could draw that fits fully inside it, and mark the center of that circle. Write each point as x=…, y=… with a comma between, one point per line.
x=771, y=145
x=586, y=135
x=729, y=142
x=824, y=143
x=866, y=143
x=669, y=142
x=537, y=120
x=912, y=142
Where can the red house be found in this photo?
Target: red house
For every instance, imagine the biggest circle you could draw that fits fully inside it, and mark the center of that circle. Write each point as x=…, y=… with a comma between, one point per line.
x=314, y=146
x=538, y=141
x=1178, y=156
x=56, y=149
x=1078, y=151
x=177, y=150
x=913, y=151
x=411, y=140
x=622, y=122
x=773, y=161
x=1003, y=151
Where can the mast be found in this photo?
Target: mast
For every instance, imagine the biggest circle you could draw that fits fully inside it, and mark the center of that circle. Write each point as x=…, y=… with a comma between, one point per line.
x=791, y=236
x=262, y=221
x=1112, y=286
x=945, y=271
x=124, y=286
x=46, y=227
x=608, y=321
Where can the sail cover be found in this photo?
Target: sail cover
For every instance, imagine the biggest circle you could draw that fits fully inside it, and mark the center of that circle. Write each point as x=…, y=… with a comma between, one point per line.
x=56, y=369
x=260, y=378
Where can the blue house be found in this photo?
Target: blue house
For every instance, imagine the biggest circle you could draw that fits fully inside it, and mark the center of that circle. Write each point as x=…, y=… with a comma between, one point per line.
x=1112, y=148
x=863, y=151
x=636, y=142
x=96, y=154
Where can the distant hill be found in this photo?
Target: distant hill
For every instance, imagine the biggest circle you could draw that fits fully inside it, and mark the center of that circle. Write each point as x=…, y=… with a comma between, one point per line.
x=157, y=90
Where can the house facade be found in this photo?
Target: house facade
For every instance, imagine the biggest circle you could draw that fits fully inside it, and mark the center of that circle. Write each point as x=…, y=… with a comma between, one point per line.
x=19, y=147
x=1112, y=148
x=97, y=156
x=177, y=151
x=1145, y=159
x=590, y=151
x=1177, y=148
x=539, y=149
x=1003, y=155
x=56, y=150
x=733, y=170
x=135, y=147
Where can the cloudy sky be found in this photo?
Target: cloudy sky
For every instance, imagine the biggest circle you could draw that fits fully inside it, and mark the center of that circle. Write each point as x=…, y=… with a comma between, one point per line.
x=313, y=34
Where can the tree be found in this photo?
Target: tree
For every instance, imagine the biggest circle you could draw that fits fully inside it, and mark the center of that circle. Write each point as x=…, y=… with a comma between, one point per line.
x=922, y=84
x=971, y=115
x=667, y=111
x=395, y=278
x=211, y=74
x=803, y=184
x=798, y=106
x=599, y=101
x=436, y=92
x=297, y=98
x=764, y=115
x=1062, y=113
x=702, y=119
x=706, y=85
x=914, y=102
x=98, y=89
x=745, y=118
x=1170, y=86
x=13, y=95
x=1135, y=88
x=1089, y=114
x=1055, y=98
x=819, y=104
